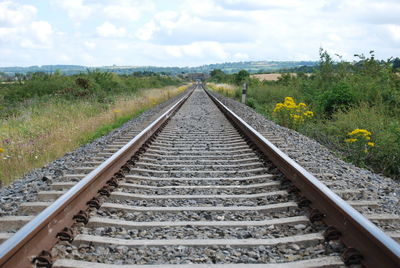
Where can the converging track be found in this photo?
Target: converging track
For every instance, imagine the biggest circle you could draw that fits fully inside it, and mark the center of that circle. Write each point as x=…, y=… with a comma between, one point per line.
x=197, y=186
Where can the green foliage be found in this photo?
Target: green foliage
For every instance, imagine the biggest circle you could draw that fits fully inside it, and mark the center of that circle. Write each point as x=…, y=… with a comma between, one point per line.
x=218, y=76
x=396, y=64
x=241, y=77
x=364, y=94
x=339, y=96
x=284, y=79
x=97, y=86
x=251, y=102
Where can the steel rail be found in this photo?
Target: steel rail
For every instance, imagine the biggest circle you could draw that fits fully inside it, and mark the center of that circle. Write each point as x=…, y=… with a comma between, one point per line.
x=377, y=249
x=40, y=233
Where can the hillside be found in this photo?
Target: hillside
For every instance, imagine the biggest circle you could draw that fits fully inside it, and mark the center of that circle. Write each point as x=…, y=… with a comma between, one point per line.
x=228, y=67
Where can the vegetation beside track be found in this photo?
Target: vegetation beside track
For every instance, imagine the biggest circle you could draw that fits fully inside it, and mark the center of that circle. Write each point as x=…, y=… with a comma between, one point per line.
x=346, y=100
x=47, y=116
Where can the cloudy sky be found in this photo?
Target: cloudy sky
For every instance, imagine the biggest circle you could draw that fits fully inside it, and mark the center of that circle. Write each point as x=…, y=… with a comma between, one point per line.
x=193, y=32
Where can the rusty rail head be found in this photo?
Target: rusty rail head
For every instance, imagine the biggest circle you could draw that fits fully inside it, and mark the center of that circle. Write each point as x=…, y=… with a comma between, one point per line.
x=40, y=233
x=377, y=249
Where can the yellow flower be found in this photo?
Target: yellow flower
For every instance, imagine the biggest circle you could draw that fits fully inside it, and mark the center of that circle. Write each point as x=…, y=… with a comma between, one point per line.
x=295, y=116
x=309, y=114
x=278, y=107
x=350, y=140
x=302, y=104
x=1, y=150
x=361, y=132
x=289, y=100
x=116, y=111
x=371, y=144
x=290, y=105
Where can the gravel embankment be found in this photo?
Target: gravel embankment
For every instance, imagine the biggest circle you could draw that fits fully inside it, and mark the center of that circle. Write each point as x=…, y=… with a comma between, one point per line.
x=26, y=188
x=378, y=187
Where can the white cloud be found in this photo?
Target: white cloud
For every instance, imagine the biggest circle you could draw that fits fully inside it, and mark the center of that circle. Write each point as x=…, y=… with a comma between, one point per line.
x=192, y=32
x=198, y=50
x=108, y=29
x=394, y=31
x=76, y=9
x=128, y=10
x=89, y=44
x=42, y=30
x=122, y=12
x=13, y=15
x=19, y=27
x=240, y=56
x=146, y=33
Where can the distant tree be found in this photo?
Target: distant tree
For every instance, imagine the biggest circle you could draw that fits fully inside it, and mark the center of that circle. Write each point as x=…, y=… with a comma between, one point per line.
x=284, y=79
x=216, y=72
x=241, y=77
x=218, y=75
x=396, y=64
x=20, y=77
x=326, y=69
x=39, y=76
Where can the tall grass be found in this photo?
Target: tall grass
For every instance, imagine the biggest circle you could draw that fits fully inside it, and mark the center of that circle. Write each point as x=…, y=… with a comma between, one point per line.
x=44, y=131
x=225, y=89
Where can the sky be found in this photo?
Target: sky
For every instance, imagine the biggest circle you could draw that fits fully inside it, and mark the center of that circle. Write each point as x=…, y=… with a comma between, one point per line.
x=193, y=32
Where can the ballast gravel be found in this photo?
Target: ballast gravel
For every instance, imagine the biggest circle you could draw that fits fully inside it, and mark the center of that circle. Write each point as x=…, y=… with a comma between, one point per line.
x=149, y=216
x=186, y=254
x=207, y=232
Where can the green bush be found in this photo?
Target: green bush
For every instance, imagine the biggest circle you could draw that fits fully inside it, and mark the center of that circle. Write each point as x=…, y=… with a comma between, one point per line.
x=337, y=97
x=251, y=102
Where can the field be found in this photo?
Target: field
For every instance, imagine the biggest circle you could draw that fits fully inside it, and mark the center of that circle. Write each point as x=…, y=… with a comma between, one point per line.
x=271, y=77
x=266, y=77
x=36, y=129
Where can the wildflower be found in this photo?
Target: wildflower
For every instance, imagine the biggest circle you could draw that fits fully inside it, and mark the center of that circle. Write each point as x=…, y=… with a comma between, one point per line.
x=1, y=150
x=371, y=144
x=278, y=107
x=116, y=111
x=350, y=140
x=289, y=103
x=290, y=113
x=309, y=114
x=289, y=100
x=360, y=132
x=302, y=104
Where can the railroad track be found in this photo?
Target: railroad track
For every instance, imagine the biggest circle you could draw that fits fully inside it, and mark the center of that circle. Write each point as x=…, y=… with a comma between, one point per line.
x=197, y=186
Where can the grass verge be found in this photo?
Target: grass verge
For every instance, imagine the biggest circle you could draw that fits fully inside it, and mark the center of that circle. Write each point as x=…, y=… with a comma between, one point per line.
x=45, y=131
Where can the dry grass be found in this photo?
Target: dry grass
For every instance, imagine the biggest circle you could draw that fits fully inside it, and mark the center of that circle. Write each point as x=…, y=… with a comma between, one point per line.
x=46, y=132
x=225, y=89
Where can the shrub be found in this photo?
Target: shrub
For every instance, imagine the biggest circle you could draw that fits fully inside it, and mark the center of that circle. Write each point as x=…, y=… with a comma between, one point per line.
x=82, y=82
x=251, y=102
x=337, y=97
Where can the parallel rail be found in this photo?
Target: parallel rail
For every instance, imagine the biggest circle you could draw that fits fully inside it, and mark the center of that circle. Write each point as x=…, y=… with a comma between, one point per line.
x=375, y=247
